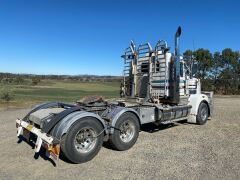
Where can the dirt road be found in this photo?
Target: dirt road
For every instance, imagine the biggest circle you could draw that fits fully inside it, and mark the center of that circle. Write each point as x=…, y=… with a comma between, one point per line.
x=185, y=151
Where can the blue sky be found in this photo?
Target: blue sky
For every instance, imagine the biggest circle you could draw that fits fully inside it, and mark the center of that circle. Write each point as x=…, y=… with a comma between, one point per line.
x=88, y=37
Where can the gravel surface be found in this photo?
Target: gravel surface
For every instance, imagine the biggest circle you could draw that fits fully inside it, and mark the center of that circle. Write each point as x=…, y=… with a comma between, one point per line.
x=182, y=151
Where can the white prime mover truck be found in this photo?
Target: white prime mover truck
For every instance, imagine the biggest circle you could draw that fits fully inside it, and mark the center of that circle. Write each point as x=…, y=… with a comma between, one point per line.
x=156, y=88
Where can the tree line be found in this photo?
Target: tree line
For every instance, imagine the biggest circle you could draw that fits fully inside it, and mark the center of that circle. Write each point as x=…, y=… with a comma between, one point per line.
x=218, y=71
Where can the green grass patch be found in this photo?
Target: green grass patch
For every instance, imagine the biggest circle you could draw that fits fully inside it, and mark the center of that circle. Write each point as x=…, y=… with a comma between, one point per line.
x=49, y=90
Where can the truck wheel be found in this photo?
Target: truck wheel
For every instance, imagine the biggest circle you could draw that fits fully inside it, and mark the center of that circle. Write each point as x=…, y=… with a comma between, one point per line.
x=126, y=133
x=203, y=113
x=83, y=140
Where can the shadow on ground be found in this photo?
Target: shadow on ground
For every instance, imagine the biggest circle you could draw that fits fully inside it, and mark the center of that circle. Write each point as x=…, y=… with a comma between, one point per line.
x=151, y=127
x=42, y=152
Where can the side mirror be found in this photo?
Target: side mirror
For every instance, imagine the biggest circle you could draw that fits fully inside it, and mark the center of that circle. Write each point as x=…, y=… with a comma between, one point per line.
x=194, y=69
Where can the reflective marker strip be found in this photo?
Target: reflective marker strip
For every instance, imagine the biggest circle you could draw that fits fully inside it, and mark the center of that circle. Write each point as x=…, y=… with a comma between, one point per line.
x=55, y=149
x=29, y=127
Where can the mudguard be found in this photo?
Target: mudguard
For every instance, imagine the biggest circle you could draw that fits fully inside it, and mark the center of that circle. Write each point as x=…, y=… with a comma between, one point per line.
x=46, y=105
x=194, y=101
x=64, y=125
x=48, y=126
x=114, y=114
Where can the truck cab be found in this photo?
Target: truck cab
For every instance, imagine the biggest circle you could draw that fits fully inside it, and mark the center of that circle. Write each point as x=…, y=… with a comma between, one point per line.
x=157, y=77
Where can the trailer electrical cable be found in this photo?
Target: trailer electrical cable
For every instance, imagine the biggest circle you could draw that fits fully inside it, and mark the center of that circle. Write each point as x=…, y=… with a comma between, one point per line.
x=109, y=127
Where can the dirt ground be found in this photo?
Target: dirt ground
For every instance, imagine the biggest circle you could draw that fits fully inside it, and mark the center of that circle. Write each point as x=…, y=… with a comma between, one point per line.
x=182, y=151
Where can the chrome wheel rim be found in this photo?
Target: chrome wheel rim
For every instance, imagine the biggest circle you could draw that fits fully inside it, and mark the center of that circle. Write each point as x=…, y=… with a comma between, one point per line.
x=127, y=131
x=85, y=140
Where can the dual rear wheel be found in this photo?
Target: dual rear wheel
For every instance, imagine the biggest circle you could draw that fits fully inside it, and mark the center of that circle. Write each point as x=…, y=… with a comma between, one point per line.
x=85, y=138
x=126, y=132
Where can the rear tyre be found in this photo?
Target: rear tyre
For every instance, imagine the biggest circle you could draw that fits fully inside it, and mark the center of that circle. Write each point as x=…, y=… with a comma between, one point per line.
x=203, y=113
x=126, y=133
x=83, y=140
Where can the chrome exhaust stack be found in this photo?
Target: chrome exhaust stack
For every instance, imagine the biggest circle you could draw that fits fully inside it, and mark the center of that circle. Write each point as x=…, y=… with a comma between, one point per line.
x=177, y=36
x=175, y=70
